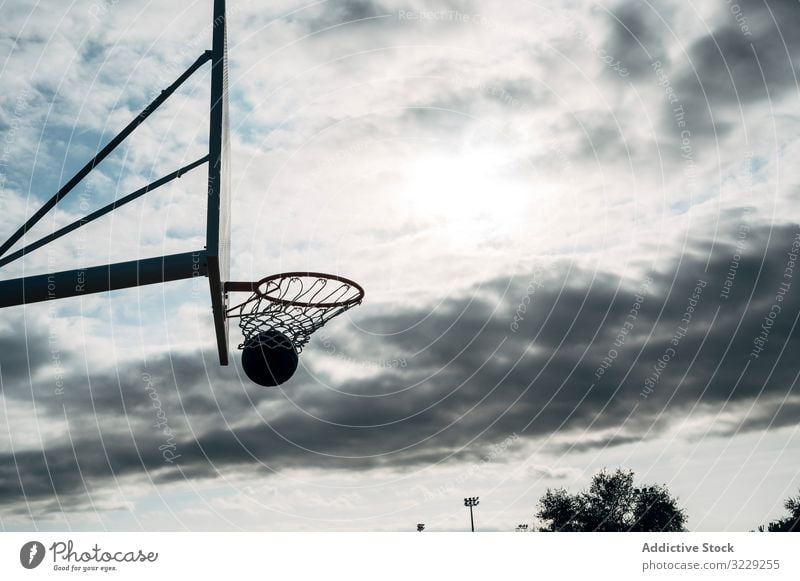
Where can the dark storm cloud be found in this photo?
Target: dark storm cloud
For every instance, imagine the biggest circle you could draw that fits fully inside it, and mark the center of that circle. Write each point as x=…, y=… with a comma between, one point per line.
x=469, y=380
x=772, y=415
x=334, y=13
x=178, y=381
x=734, y=67
x=381, y=17
x=26, y=348
x=60, y=470
x=766, y=15
x=637, y=36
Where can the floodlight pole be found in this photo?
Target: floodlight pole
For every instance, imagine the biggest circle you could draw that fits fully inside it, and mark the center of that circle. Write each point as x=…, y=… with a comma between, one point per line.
x=471, y=502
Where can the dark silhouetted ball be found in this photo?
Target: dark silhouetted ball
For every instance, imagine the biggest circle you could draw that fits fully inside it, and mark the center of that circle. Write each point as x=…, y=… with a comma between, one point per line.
x=269, y=358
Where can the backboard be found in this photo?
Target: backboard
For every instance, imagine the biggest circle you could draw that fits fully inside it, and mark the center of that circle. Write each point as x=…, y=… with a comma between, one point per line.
x=218, y=231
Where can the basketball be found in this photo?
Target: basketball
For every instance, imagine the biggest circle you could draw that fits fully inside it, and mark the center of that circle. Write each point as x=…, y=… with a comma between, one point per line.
x=269, y=358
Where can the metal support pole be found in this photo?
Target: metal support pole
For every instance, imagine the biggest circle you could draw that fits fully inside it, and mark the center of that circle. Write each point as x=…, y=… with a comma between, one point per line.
x=471, y=519
x=97, y=279
x=218, y=226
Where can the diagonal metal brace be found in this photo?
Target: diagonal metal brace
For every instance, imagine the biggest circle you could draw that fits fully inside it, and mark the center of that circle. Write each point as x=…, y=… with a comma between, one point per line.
x=103, y=153
x=101, y=212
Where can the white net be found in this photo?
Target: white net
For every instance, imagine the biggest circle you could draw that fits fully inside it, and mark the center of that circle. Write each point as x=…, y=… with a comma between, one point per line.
x=295, y=305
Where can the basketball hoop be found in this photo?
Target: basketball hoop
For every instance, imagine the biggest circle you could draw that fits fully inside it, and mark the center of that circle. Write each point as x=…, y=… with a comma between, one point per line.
x=295, y=304
x=283, y=310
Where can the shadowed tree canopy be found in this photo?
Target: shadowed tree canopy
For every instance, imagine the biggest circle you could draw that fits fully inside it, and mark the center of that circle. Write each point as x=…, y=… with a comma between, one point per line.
x=791, y=523
x=612, y=504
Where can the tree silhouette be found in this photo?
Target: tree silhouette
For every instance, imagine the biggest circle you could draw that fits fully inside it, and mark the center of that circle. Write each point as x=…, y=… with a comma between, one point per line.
x=791, y=523
x=561, y=510
x=656, y=510
x=612, y=504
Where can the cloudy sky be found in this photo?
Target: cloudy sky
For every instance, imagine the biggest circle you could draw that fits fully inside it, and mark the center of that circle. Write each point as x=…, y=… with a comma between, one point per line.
x=575, y=222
